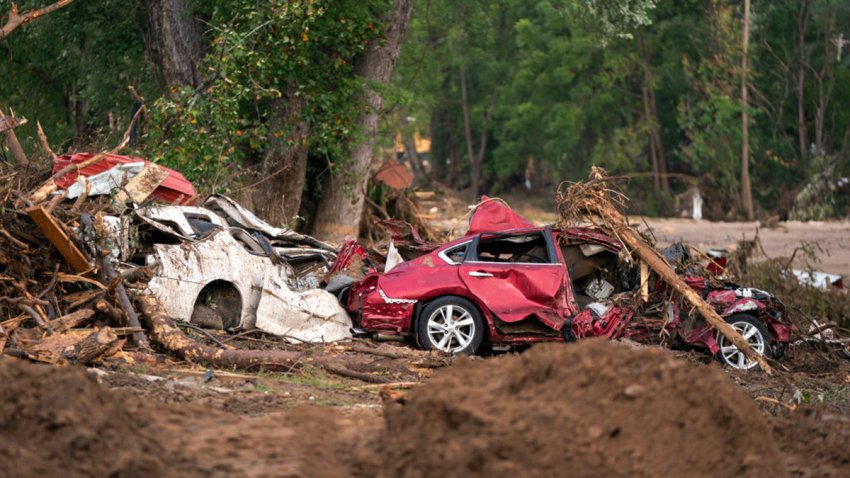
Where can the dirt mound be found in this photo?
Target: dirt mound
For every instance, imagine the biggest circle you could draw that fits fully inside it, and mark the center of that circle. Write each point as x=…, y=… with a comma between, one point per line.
x=60, y=422
x=591, y=409
x=815, y=442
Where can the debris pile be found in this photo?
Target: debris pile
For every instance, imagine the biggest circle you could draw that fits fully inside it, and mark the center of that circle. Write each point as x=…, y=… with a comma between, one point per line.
x=72, y=271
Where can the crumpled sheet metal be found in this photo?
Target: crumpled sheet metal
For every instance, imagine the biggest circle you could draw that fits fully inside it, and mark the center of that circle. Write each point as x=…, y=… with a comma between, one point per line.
x=233, y=211
x=175, y=188
x=268, y=303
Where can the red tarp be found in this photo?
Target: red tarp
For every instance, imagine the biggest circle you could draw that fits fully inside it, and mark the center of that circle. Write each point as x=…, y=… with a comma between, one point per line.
x=493, y=216
x=173, y=188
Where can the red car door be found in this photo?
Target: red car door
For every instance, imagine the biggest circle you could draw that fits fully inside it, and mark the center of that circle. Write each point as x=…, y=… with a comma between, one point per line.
x=516, y=275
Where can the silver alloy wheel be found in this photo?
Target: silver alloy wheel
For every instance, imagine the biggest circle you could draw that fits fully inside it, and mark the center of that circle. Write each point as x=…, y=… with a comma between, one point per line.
x=451, y=328
x=732, y=355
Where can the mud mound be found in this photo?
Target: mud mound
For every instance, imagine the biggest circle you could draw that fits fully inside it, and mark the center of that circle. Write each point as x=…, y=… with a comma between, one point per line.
x=60, y=422
x=814, y=442
x=591, y=409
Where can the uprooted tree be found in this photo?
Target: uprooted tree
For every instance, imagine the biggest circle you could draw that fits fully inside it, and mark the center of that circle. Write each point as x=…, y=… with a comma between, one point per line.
x=596, y=200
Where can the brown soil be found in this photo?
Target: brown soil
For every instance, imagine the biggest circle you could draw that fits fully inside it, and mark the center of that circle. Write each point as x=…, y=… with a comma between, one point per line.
x=54, y=421
x=589, y=409
x=61, y=422
x=593, y=409
x=814, y=442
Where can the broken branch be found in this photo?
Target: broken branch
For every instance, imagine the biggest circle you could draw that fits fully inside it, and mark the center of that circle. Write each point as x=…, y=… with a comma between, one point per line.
x=16, y=20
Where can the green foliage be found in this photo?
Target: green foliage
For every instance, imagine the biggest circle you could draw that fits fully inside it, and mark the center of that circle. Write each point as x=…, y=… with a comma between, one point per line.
x=615, y=18
x=70, y=70
x=816, y=201
x=542, y=86
x=262, y=55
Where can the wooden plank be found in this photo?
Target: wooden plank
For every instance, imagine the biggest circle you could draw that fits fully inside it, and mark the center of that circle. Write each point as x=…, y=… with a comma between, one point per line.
x=48, y=225
x=142, y=185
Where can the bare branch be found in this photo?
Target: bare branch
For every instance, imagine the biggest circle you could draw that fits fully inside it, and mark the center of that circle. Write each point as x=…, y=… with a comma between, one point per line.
x=44, y=144
x=16, y=19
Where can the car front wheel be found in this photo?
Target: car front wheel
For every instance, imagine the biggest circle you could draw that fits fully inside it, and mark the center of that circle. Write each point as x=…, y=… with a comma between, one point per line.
x=452, y=325
x=753, y=331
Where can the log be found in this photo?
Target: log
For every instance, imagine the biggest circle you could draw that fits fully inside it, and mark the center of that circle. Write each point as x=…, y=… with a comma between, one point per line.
x=660, y=266
x=165, y=333
x=348, y=373
x=115, y=315
x=124, y=300
x=101, y=343
x=72, y=320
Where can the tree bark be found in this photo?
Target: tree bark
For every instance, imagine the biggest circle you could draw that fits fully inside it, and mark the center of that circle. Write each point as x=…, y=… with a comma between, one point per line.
x=277, y=195
x=176, y=41
x=746, y=189
x=656, y=146
x=165, y=333
x=341, y=206
x=653, y=154
x=802, y=132
x=474, y=172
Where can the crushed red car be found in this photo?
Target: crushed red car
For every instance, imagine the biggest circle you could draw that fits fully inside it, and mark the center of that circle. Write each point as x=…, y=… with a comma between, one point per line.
x=508, y=282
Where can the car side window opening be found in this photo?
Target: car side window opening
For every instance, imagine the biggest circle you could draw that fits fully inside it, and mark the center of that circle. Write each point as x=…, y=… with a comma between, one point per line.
x=456, y=254
x=526, y=248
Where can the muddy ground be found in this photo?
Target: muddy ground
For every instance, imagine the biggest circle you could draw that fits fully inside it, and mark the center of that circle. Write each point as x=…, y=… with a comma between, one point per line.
x=609, y=406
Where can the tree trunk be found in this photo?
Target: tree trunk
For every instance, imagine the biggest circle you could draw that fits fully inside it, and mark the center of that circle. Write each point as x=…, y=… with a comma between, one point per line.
x=277, y=194
x=659, y=145
x=746, y=189
x=653, y=154
x=474, y=168
x=165, y=333
x=802, y=132
x=176, y=41
x=656, y=146
x=341, y=206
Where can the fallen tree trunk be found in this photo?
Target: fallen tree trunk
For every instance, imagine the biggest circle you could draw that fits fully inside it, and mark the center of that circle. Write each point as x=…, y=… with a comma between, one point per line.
x=165, y=333
x=594, y=199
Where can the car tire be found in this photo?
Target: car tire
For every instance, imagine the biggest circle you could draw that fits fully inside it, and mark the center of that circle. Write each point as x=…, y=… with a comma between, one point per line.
x=450, y=324
x=754, y=331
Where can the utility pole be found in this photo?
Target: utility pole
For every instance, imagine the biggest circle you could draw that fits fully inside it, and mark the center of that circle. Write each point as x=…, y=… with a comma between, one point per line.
x=746, y=189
